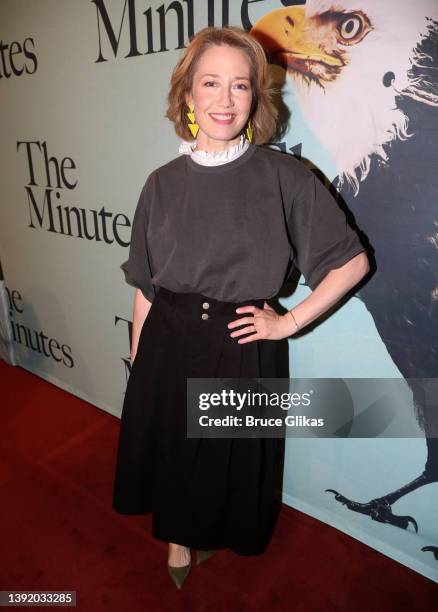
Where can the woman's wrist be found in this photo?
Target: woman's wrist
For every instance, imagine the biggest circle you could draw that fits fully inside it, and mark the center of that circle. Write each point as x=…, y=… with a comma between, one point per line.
x=291, y=317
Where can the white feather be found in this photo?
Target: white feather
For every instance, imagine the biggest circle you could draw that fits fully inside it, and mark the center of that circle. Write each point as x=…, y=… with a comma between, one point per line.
x=355, y=115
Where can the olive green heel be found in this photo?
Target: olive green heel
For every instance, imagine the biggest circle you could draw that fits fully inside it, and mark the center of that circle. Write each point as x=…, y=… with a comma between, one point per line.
x=179, y=574
x=203, y=555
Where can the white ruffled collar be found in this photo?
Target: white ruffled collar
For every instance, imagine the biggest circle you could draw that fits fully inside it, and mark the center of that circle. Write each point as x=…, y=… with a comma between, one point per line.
x=214, y=158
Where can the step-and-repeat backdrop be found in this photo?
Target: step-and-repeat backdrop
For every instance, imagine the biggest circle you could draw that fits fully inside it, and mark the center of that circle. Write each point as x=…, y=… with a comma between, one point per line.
x=83, y=90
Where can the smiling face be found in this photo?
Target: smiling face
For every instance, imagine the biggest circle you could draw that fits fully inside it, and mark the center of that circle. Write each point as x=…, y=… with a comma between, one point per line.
x=222, y=96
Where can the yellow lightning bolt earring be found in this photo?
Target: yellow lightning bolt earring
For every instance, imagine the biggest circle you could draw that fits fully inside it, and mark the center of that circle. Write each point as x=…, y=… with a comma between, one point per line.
x=193, y=126
x=249, y=130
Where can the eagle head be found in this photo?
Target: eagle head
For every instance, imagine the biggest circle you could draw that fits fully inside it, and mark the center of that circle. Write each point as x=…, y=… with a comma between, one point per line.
x=348, y=61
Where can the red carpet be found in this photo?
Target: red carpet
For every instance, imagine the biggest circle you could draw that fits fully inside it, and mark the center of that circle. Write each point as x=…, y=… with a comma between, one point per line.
x=59, y=531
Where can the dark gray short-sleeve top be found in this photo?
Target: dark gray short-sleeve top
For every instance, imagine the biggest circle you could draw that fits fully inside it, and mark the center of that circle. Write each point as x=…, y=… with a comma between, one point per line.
x=233, y=231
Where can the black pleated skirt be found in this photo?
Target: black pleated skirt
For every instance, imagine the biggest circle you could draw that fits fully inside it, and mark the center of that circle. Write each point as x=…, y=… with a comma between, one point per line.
x=204, y=493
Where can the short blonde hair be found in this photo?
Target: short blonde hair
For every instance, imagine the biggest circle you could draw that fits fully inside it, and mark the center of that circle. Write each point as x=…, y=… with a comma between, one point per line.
x=264, y=113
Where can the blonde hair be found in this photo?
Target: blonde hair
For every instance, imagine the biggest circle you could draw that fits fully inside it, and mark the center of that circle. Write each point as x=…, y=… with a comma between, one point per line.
x=264, y=114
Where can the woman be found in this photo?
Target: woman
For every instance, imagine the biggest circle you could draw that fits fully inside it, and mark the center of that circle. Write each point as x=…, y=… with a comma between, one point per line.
x=215, y=234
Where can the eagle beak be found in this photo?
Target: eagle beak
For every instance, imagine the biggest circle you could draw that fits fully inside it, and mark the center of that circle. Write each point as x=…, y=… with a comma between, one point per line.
x=290, y=39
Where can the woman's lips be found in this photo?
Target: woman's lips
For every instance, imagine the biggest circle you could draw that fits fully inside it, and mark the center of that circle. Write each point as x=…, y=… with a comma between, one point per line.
x=223, y=118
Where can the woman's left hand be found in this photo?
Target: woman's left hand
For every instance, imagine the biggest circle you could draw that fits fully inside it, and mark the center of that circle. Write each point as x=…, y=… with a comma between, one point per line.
x=264, y=322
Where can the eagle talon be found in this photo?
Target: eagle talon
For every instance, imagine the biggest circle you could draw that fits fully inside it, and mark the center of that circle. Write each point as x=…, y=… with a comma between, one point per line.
x=433, y=549
x=378, y=509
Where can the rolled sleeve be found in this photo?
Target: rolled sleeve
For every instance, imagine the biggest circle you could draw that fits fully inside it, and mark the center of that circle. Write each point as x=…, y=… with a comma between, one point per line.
x=319, y=232
x=137, y=269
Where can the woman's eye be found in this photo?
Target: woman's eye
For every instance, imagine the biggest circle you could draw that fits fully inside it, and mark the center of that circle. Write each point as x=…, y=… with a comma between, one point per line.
x=242, y=86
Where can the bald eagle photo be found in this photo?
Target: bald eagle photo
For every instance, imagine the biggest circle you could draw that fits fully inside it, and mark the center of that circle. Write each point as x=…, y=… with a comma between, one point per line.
x=365, y=76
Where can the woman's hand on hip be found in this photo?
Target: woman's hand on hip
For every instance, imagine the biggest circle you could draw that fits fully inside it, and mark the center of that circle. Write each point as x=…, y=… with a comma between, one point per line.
x=264, y=323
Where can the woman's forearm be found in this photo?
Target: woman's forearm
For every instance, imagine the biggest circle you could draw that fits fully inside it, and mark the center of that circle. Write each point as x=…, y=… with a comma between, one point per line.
x=140, y=312
x=329, y=291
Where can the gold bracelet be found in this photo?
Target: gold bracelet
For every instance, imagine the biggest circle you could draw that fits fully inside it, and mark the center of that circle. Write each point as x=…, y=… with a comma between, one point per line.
x=292, y=315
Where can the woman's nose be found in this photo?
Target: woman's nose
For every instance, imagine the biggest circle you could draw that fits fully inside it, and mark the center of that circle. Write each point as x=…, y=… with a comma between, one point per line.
x=226, y=97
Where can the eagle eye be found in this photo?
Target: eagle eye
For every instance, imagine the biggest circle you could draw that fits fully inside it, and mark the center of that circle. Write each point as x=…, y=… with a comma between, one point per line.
x=352, y=28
